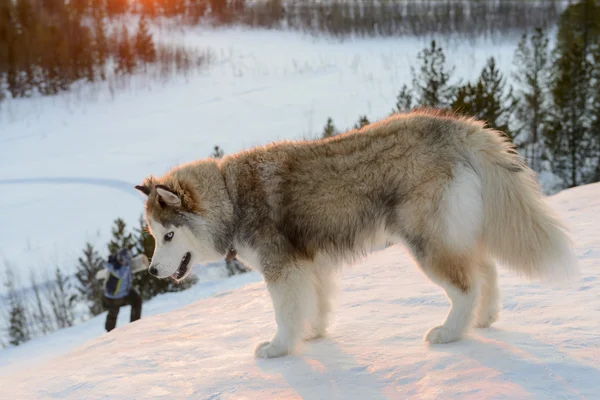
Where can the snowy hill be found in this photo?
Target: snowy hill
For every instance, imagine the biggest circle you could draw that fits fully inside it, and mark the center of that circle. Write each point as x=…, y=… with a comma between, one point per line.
x=545, y=346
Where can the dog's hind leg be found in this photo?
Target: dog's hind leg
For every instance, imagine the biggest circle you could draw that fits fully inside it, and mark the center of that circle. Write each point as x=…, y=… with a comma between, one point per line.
x=489, y=303
x=293, y=292
x=457, y=275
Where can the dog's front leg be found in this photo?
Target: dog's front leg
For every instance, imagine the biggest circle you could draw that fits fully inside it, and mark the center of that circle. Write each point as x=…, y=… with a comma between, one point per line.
x=295, y=303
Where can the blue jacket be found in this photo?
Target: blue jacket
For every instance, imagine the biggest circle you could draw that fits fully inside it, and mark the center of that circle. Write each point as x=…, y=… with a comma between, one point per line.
x=118, y=281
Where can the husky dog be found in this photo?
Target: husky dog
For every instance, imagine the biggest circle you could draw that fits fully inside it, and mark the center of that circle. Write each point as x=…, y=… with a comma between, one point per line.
x=453, y=191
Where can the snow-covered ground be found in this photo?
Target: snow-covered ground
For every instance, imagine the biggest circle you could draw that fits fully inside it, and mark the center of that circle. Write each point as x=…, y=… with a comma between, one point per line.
x=545, y=346
x=68, y=163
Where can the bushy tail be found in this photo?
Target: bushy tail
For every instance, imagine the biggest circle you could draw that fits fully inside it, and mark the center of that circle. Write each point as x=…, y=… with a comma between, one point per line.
x=520, y=230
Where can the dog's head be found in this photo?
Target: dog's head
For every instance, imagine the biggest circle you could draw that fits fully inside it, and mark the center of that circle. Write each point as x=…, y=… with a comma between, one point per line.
x=185, y=230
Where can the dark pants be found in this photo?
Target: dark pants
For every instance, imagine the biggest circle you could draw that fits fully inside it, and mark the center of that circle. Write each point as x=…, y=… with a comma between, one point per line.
x=133, y=299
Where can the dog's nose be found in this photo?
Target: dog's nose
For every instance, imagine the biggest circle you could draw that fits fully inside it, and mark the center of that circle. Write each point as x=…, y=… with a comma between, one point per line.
x=153, y=271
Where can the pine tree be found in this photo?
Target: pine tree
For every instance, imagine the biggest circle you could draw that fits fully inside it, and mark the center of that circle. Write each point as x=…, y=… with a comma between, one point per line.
x=62, y=300
x=41, y=316
x=100, y=44
x=197, y=10
x=125, y=58
x=217, y=152
x=218, y=10
x=596, y=105
x=362, y=121
x=432, y=83
x=570, y=131
x=18, y=328
x=90, y=288
x=532, y=75
x=144, y=45
x=404, y=101
x=149, y=8
x=488, y=99
x=116, y=7
x=329, y=129
x=120, y=238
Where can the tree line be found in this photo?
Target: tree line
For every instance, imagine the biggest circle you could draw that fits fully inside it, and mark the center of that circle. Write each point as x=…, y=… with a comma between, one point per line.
x=343, y=17
x=47, y=45
x=553, y=116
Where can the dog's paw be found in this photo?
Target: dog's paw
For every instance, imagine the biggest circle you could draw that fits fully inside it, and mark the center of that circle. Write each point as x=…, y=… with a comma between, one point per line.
x=440, y=334
x=317, y=333
x=270, y=350
x=486, y=319
x=315, y=336
x=486, y=322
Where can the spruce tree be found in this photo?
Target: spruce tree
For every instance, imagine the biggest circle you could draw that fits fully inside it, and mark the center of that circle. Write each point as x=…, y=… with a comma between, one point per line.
x=62, y=300
x=488, y=99
x=41, y=315
x=432, y=83
x=596, y=106
x=90, y=289
x=362, y=121
x=144, y=45
x=329, y=129
x=532, y=113
x=125, y=57
x=18, y=327
x=116, y=7
x=121, y=239
x=217, y=152
x=404, y=101
x=570, y=133
x=100, y=43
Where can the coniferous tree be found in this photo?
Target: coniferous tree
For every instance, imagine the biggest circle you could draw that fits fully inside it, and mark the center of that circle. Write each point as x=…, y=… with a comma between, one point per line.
x=149, y=8
x=488, y=99
x=41, y=315
x=217, y=152
x=116, y=7
x=197, y=10
x=144, y=45
x=362, y=121
x=432, y=84
x=125, y=56
x=596, y=106
x=570, y=132
x=404, y=101
x=329, y=129
x=532, y=75
x=90, y=289
x=62, y=300
x=218, y=10
x=18, y=327
x=100, y=43
x=121, y=239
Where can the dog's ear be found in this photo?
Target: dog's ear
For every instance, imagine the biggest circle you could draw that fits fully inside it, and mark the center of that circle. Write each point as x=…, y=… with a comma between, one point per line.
x=168, y=196
x=143, y=189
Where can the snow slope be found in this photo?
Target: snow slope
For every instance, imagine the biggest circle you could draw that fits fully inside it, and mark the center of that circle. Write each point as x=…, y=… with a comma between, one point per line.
x=68, y=163
x=545, y=346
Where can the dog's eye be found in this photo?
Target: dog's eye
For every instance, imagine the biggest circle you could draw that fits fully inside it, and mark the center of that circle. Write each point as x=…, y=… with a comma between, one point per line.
x=169, y=236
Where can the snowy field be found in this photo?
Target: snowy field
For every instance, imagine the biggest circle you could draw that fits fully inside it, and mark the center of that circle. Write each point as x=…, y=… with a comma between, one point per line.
x=68, y=163
x=545, y=346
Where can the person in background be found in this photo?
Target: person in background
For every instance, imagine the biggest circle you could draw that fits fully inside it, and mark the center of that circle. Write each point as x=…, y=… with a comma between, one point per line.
x=118, y=292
